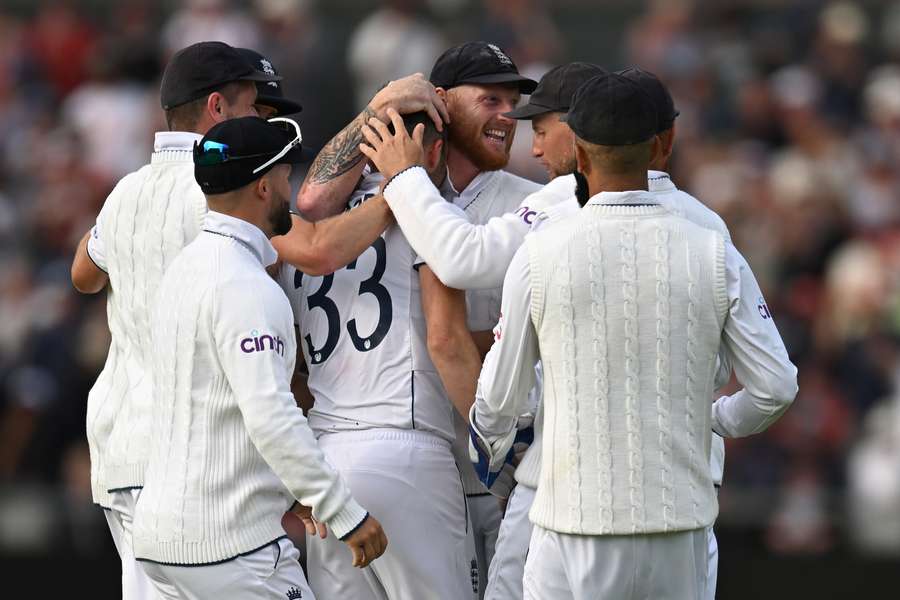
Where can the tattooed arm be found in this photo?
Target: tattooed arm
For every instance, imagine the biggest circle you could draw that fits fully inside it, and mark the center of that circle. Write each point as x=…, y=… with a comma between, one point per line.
x=338, y=167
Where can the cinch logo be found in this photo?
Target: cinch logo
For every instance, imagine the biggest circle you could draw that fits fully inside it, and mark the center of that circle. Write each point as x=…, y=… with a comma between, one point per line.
x=257, y=343
x=763, y=308
x=527, y=214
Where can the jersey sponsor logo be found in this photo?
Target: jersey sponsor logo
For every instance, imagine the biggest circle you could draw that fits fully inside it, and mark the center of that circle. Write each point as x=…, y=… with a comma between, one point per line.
x=261, y=343
x=473, y=573
x=763, y=308
x=294, y=594
x=527, y=214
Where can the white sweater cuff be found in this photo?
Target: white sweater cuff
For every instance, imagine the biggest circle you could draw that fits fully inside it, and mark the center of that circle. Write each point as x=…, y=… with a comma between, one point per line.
x=407, y=180
x=347, y=519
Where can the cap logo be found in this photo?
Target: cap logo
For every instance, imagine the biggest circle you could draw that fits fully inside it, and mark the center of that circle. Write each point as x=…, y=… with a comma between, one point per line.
x=268, y=69
x=503, y=58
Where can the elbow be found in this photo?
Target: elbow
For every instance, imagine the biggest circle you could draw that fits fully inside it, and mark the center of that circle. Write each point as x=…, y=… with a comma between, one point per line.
x=443, y=345
x=311, y=204
x=786, y=390
x=86, y=284
x=319, y=266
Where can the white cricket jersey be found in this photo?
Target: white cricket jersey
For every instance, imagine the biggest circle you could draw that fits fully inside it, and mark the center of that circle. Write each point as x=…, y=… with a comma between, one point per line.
x=362, y=330
x=230, y=451
x=146, y=220
x=748, y=335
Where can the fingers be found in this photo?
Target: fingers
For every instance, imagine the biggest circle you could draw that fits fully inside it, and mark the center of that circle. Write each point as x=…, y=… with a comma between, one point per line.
x=323, y=530
x=310, y=526
x=359, y=556
x=438, y=102
x=371, y=136
x=369, y=151
x=419, y=134
x=382, y=129
x=397, y=121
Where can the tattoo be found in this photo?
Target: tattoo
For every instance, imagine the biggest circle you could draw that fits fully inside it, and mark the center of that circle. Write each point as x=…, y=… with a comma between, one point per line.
x=342, y=153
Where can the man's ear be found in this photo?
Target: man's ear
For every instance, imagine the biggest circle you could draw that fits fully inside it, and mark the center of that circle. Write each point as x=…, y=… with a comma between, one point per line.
x=215, y=107
x=582, y=160
x=264, y=187
x=433, y=155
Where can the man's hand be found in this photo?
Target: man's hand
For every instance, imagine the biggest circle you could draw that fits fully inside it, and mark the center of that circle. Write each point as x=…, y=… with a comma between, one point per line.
x=303, y=514
x=367, y=543
x=408, y=95
x=393, y=152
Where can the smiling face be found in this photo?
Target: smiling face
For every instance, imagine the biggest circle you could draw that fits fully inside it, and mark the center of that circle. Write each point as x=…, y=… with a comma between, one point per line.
x=553, y=144
x=478, y=128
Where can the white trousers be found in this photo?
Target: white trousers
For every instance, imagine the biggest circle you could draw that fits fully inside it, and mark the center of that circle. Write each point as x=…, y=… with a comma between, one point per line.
x=664, y=566
x=712, y=571
x=120, y=515
x=273, y=572
x=485, y=518
x=408, y=481
x=504, y=581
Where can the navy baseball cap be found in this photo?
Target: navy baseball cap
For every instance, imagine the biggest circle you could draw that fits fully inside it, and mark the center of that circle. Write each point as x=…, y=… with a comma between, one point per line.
x=555, y=89
x=478, y=62
x=269, y=93
x=612, y=110
x=203, y=67
x=239, y=151
x=662, y=99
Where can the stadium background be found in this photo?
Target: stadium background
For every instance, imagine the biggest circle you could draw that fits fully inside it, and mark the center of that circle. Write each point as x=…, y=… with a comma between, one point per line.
x=789, y=128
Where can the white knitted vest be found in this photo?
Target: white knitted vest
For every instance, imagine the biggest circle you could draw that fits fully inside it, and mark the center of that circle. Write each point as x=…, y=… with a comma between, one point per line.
x=629, y=304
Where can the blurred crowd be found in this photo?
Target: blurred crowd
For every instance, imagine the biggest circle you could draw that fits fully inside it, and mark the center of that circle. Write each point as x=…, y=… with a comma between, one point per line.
x=789, y=128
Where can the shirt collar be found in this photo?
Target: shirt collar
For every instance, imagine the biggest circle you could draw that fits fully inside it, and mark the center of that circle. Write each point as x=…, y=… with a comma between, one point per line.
x=470, y=192
x=248, y=235
x=659, y=181
x=175, y=140
x=624, y=198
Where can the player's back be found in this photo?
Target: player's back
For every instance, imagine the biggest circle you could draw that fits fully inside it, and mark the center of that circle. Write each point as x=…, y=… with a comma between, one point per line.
x=144, y=223
x=362, y=331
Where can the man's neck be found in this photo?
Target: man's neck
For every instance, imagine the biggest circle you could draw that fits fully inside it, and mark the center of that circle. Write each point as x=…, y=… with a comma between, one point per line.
x=460, y=169
x=600, y=182
x=244, y=214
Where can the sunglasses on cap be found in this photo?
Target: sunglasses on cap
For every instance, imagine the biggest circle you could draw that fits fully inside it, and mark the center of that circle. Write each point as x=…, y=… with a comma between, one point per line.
x=216, y=153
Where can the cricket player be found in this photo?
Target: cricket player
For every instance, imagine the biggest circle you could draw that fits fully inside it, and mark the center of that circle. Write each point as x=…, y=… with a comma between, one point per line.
x=230, y=451
x=479, y=83
x=626, y=305
x=380, y=413
x=146, y=220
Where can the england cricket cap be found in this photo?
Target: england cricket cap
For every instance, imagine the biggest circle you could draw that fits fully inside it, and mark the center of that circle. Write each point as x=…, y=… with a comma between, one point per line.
x=555, y=89
x=477, y=62
x=269, y=93
x=238, y=151
x=202, y=68
x=612, y=110
x=662, y=99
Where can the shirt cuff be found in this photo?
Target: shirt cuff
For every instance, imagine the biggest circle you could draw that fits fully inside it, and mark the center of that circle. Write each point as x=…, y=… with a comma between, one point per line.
x=347, y=519
x=407, y=179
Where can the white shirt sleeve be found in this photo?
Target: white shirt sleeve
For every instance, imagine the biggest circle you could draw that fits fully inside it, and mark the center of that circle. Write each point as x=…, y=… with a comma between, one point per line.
x=96, y=250
x=463, y=255
x=756, y=351
x=508, y=375
x=261, y=384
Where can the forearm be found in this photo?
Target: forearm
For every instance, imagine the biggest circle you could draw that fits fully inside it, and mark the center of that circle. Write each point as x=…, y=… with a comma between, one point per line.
x=744, y=413
x=324, y=247
x=458, y=362
x=462, y=255
x=483, y=341
x=87, y=277
x=334, y=172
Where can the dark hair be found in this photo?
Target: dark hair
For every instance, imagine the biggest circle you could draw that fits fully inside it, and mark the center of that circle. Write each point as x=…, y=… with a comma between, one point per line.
x=431, y=133
x=185, y=117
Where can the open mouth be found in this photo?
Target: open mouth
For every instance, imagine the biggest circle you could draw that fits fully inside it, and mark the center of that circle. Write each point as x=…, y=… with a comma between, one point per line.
x=496, y=137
